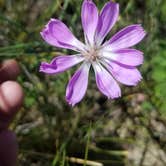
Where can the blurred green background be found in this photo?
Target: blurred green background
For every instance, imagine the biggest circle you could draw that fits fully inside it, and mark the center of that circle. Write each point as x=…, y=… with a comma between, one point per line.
x=128, y=131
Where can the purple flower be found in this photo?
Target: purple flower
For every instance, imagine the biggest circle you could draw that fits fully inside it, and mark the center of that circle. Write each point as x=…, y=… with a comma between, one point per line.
x=112, y=60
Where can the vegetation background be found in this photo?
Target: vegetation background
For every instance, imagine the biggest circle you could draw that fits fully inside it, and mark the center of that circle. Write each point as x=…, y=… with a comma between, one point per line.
x=128, y=131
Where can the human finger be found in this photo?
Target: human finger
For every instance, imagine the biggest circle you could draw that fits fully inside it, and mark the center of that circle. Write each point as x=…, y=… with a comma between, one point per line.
x=11, y=98
x=9, y=70
x=8, y=148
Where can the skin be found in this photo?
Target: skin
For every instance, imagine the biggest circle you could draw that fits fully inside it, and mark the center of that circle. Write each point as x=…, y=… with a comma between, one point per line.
x=11, y=98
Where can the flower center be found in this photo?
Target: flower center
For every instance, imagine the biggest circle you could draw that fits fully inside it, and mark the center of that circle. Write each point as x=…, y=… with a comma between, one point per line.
x=91, y=54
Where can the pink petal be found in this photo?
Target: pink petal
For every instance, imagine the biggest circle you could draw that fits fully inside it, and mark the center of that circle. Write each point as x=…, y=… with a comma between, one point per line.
x=125, y=75
x=129, y=57
x=57, y=34
x=107, y=19
x=105, y=82
x=126, y=38
x=60, y=64
x=89, y=16
x=77, y=86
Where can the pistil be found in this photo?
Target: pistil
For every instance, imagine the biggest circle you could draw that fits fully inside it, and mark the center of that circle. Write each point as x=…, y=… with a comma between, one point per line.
x=91, y=54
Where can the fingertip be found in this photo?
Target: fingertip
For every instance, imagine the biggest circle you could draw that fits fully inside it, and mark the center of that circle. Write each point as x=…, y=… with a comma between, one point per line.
x=11, y=97
x=9, y=70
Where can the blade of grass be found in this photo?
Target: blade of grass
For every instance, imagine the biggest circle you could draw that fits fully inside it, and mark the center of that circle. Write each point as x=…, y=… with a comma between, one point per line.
x=63, y=158
x=20, y=46
x=67, y=141
x=47, y=14
x=13, y=23
x=115, y=139
x=87, y=145
x=66, y=3
x=82, y=161
x=109, y=152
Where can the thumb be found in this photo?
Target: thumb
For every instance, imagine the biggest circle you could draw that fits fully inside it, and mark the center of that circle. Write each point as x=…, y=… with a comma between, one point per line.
x=8, y=148
x=11, y=97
